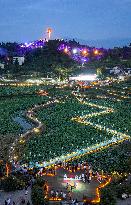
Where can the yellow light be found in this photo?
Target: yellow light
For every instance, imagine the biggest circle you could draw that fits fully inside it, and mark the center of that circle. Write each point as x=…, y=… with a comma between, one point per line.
x=36, y=130
x=22, y=141
x=84, y=52
x=66, y=50
x=96, y=52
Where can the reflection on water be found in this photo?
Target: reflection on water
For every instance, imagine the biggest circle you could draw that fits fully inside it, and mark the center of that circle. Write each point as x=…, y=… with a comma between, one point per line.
x=25, y=125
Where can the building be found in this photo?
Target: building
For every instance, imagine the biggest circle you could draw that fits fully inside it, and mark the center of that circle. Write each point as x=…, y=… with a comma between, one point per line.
x=19, y=59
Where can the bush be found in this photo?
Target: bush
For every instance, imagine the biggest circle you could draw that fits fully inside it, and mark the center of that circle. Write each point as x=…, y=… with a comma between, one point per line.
x=107, y=196
x=12, y=183
x=123, y=188
x=38, y=196
x=40, y=181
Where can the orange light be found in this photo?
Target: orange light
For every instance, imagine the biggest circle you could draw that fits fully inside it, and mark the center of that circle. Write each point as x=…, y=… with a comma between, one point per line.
x=97, y=199
x=96, y=52
x=66, y=50
x=49, y=31
x=55, y=199
x=84, y=52
x=7, y=170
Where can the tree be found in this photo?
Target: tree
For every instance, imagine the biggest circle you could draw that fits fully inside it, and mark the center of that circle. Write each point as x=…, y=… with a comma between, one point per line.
x=107, y=196
x=61, y=72
x=38, y=194
x=11, y=183
x=101, y=72
x=2, y=168
x=16, y=66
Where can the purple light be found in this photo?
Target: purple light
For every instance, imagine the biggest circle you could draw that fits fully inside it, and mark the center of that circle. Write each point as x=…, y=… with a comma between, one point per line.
x=80, y=54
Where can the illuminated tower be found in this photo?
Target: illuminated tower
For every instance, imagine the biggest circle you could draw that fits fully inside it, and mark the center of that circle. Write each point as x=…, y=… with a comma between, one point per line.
x=49, y=32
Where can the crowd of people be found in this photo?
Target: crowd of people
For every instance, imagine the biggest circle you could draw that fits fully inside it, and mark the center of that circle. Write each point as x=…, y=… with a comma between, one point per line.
x=22, y=201
x=85, y=172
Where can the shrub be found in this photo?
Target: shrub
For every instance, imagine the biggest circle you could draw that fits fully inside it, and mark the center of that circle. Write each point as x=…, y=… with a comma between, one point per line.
x=38, y=196
x=12, y=183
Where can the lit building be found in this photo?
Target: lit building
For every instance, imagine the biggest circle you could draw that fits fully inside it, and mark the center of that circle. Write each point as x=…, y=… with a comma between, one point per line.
x=19, y=59
x=87, y=77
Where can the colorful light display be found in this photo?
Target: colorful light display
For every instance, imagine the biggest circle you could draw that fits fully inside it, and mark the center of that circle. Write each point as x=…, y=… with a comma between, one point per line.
x=118, y=137
x=79, y=53
x=84, y=78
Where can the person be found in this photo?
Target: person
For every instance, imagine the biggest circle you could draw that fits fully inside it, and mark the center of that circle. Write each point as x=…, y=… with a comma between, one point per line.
x=71, y=188
x=45, y=188
x=76, y=167
x=83, y=176
x=84, y=179
x=22, y=201
x=28, y=203
x=6, y=202
x=26, y=192
x=89, y=179
x=75, y=184
x=67, y=185
x=64, y=195
x=52, y=192
x=84, y=166
x=61, y=193
x=79, y=166
x=76, y=202
x=69, y=193
x=14, y=203
x=73, y=201
x=98, y=177
x=57, y=193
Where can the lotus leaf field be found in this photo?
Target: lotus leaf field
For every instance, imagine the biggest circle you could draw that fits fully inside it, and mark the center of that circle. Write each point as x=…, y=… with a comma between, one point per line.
x=62, y=135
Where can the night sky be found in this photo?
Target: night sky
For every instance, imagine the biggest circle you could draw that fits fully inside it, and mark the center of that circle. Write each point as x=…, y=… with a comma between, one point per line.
x=25, y=20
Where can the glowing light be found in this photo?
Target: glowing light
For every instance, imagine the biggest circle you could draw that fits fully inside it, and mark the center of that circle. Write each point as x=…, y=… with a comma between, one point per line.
x=96, y=52
x=77, y=178
x=84, y=77
x=49, y=31
x=22, y=141
x=120, y=137
x=36, y=130
x=7, y=170
x=84, y=52
x=74, y=50
x=66, y=50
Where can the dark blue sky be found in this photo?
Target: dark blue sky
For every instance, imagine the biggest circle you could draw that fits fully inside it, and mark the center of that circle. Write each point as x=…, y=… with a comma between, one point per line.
x=25, y=20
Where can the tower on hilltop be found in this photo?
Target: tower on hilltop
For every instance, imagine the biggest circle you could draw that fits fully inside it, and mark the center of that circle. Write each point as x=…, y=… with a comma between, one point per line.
x=49, y=32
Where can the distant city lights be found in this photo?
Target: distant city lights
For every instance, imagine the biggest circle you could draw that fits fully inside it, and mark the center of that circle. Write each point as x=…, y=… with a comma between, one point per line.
x=84, y=78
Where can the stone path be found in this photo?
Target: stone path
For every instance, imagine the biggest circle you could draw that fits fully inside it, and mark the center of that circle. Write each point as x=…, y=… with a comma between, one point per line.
x=124, y=202
x=15, y=196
